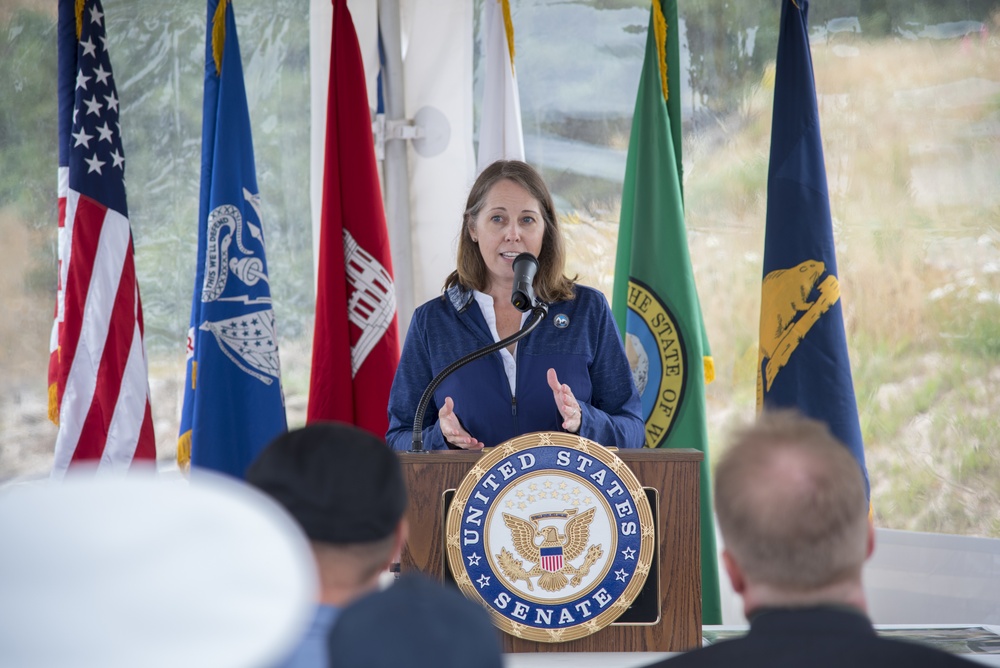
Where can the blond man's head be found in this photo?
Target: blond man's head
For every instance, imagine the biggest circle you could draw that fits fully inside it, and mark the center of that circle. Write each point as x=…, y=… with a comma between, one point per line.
x=791, y=504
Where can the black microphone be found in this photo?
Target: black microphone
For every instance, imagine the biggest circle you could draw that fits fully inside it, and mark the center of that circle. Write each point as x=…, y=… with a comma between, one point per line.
x=523, y=295
x=523, y=298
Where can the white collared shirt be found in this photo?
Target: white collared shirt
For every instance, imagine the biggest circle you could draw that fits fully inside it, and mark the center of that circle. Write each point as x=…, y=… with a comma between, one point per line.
x=485, y=302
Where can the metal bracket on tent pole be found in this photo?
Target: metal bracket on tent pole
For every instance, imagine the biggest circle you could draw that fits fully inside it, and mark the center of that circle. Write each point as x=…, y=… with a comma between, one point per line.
x=384, y=131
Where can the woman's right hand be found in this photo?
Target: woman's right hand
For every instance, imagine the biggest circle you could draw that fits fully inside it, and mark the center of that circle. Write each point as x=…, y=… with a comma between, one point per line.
x=452, y=429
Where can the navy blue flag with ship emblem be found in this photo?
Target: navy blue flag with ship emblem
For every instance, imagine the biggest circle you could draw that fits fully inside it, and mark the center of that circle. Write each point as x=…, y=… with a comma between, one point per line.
x=233, y=403
x=803, y=361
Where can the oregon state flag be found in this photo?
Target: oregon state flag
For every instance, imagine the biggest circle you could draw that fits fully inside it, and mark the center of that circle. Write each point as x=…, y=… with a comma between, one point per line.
x=655, y=300
x=233, y=403
x=803, y=361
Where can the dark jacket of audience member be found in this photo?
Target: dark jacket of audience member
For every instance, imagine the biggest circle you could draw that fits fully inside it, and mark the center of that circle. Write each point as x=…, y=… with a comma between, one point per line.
x=415, y=623
x=793, y=514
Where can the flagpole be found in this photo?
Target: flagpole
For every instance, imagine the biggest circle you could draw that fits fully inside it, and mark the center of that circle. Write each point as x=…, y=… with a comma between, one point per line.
x=395, y=170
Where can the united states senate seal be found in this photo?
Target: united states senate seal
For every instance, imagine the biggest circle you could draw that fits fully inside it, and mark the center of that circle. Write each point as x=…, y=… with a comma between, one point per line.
x=553, y=534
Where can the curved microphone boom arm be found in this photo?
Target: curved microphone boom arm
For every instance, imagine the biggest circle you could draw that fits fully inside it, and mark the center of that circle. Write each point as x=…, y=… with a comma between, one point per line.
x=538, y=314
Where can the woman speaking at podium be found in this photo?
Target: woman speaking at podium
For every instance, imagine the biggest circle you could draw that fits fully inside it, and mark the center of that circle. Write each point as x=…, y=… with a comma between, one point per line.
x=569, y=374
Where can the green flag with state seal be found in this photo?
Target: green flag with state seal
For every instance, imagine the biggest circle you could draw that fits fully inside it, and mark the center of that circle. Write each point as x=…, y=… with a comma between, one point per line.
x=655, y=300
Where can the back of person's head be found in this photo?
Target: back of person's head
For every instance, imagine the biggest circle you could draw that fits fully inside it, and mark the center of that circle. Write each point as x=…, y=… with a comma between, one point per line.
x=415, y=623
x=791, y=504
x=343, y=485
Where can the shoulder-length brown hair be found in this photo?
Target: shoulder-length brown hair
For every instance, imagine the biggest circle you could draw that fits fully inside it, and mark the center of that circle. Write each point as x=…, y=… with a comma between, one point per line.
x=551, y=283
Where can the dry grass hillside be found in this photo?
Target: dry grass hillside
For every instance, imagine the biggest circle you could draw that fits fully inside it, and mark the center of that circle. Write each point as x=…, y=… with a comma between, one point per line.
x=910, y=133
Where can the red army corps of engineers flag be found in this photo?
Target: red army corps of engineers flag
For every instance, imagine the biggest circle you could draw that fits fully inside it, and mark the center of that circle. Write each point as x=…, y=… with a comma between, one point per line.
x=356, y=337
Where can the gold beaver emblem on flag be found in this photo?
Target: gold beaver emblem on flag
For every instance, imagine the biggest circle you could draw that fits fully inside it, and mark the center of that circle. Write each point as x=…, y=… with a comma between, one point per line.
x=551, y=557
x=787, y=315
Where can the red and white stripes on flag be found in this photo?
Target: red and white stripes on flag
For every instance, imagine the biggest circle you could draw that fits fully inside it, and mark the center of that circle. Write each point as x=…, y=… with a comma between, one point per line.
x=551, y=559
x=98, y=381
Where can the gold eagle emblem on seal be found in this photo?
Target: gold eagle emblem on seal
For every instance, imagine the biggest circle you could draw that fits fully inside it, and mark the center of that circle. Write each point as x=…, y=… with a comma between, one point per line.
x=553, y=534
x=553, y=556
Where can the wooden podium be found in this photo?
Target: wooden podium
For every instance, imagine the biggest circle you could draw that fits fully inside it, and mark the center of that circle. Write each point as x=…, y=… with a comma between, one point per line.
x=672, y=473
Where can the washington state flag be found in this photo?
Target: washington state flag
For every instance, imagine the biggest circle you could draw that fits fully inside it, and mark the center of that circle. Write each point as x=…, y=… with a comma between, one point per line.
x=655, y=301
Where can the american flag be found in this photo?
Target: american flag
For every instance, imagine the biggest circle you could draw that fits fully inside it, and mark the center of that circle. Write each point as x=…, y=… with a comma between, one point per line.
x=98, y=382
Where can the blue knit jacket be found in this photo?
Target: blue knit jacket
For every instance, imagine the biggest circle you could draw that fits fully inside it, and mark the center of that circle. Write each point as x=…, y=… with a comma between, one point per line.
x=587, y=354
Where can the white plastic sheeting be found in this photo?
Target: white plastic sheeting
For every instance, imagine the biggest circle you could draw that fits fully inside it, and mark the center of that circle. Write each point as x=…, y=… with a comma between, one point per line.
x=933, y=578
x=919, y=578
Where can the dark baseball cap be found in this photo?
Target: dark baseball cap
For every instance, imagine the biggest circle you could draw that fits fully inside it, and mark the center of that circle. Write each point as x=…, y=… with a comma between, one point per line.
x=341, y=483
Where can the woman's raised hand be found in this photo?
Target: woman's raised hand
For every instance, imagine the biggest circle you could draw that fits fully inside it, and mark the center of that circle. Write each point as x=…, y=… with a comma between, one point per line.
x=453, y=431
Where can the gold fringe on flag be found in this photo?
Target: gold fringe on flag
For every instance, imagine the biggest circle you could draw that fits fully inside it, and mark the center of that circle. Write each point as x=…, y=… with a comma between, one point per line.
x=184, y=440
x=184, y=451
x=79, y=17
x=508, y=25
x=219, y=34
x=660, y=28
x=54, y=404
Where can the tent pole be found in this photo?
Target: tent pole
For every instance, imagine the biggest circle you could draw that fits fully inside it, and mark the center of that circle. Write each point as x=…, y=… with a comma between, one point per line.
x=395, y=168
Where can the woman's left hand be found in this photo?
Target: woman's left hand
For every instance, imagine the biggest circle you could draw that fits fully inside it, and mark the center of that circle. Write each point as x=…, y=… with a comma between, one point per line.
x=567, y=404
